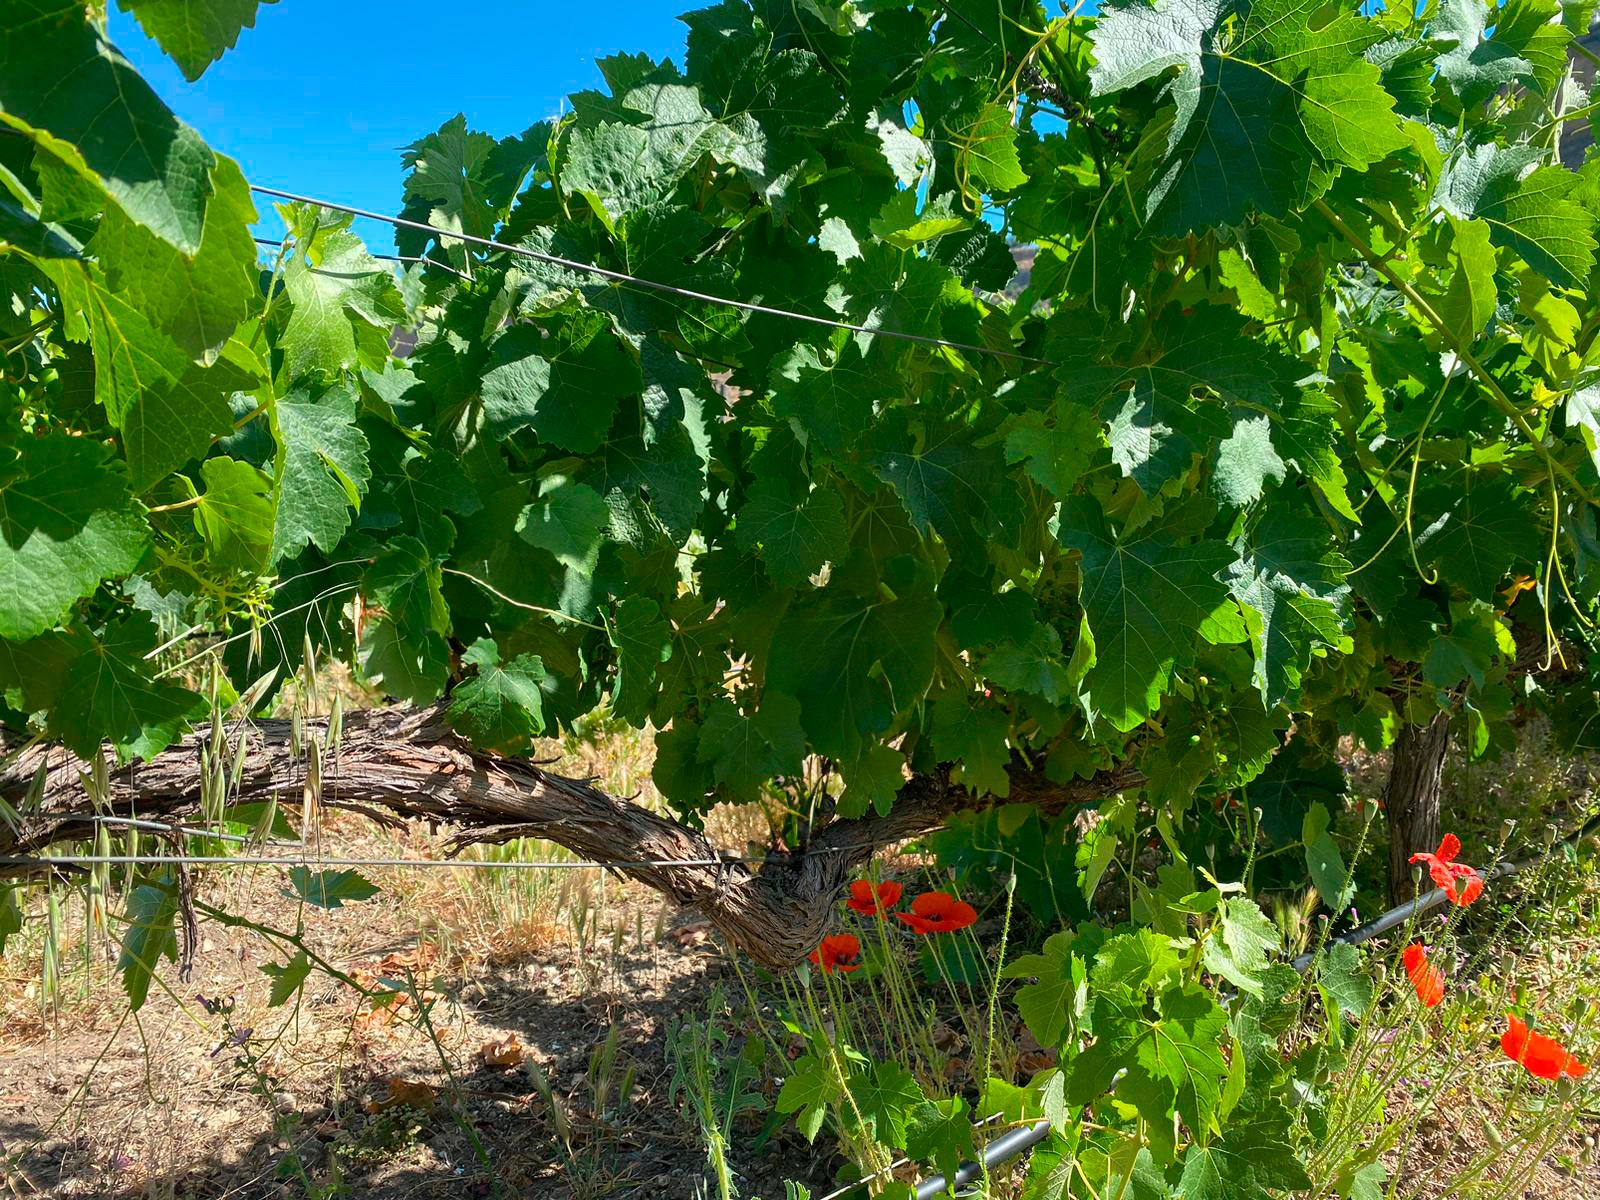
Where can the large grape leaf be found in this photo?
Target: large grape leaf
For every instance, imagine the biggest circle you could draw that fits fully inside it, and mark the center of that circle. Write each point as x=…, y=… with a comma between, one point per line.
x=623, y=168
x=197, y=299
x=641, y=636
x=1168, y=404
x=460, y=180
x=404, y=649
x=501, y=708
x=1478, y=66
x=569, y=520
x=235, y=513
x=111, y=693
x=321, y=469
x=855, y=662
x=108, y=126
x=66, y=523
x=194, y=32
x=167, y=409
x=342, y=300
x=1148, y=601
x=953, y=487
x=831, y=401
x=1264, y=92
x=744, y=751
x=1292, y=582
x=794, y=539
x=564, y=382
x=1478, y=533
x=1528, y=208
x=1253, y=1159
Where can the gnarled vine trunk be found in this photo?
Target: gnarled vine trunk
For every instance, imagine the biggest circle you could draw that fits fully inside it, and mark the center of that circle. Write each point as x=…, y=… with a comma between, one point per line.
x=395, y=764
x=1411, y=799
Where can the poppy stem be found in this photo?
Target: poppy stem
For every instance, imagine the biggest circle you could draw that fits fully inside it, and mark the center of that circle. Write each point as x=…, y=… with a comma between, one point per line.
x=994, y=997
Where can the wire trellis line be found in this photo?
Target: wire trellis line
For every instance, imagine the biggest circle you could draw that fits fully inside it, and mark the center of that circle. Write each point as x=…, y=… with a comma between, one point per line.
x=306, y=860
x=654, y=285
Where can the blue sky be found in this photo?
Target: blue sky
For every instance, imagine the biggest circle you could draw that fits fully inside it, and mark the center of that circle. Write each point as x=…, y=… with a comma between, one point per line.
x=322, y=94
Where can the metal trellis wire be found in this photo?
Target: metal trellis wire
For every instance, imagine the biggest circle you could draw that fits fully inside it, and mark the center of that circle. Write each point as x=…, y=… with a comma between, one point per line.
x=653, y=285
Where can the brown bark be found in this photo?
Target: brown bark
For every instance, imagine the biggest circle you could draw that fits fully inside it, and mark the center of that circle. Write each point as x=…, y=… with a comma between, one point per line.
x=1411, y=799
x=407, y=764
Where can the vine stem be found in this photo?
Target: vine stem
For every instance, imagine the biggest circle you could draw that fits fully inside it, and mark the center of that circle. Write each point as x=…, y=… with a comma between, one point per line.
x=1496, y=393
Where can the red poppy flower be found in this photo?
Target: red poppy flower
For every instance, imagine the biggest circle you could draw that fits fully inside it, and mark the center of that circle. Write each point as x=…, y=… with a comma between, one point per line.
x=1540, y=1054
x=938, y=912
x=838, y=952
x=1426, y=978
x=1447, y=872
x=872, y=901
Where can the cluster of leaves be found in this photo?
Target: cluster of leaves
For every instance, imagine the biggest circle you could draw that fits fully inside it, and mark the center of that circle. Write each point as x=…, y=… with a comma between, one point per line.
x=1310, y=290
x=1293, y=421
x=1190, y=1097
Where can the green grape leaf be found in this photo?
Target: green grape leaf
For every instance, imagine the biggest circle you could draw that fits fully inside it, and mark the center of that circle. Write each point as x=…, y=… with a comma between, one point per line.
x=872, y=781
x=149, y=937
x=287, y=978
x=1265, y=91
x=196, y=33
x=1054, y=455
x=320, y=470
x=973, y=738
x=1468, y=304
x=834, y=401
x=235, y=514
x=330, y=889
x=1254, y=1158
x=1343, y=975
x=854, y=663
x=569, y=520
x=746, y=751
x=408, y=665
x=197, y=300
x=501, y=708
x=1147, y=601
x=1292, y=584
x=1481, y=530
x=108, y=127
x=167, y=409
x=640, y=634
x=954, y=488
x=808, y=1091
x=341, y=299
x=988, y=150
x=1163, y=408
x=1467, y=650
x=1531, y=212
x=1239, y=950
x=1056, y=999
x=67, y=523
x=1246, y=460
x=940, y=1132
x=1476, y=67
x=794, y=540
x=888, y=1097
x=564, y=383
x=10, y=915
x=109, y=693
